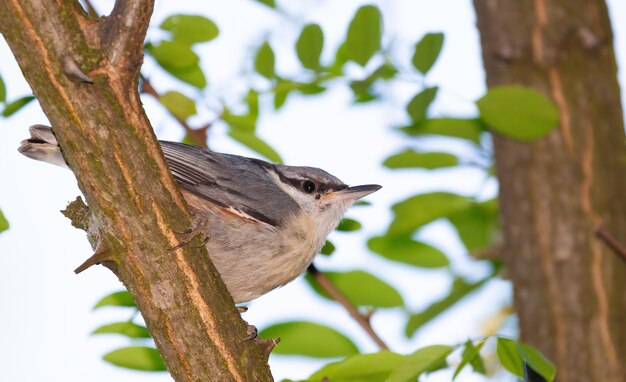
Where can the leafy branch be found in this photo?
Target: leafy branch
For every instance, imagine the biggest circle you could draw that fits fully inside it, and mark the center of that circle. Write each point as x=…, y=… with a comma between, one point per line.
x=362, y=320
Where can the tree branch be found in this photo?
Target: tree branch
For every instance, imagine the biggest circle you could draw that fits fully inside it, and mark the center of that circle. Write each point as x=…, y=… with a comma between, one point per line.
x=135, y=204
x=123, y=33
x=352, y=310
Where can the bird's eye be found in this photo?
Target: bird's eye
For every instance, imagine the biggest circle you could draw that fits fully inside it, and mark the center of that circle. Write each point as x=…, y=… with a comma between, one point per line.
x=308, y=186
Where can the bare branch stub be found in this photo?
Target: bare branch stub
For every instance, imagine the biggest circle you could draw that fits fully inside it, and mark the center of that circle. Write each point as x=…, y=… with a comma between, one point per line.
x=100, y=256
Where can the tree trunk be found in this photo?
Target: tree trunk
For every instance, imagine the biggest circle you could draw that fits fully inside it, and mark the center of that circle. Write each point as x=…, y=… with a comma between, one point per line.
x=84, y=73
x=557, y=192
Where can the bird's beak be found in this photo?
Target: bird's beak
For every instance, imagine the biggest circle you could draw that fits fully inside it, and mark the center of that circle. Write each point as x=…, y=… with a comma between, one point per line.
x=352, y=193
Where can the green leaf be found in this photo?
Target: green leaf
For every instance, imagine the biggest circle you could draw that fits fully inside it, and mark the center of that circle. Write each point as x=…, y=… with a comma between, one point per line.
x=427, y=51
x=518, y=112
x=411, y=159
x=269, y=3
x=408, y=251
x=178, y=60
x=363, y=88
x=469, y=129
x=192, y=75
x=280, y=98
x=471, y=356
x=309, y=339
x=328, y=248
x=178, y=104
x=190, y=29
x=362, y=367
x=420, y=361
x=365, y=97
x=281, y=91
x=510, y=357
x=173, y=55
x=121, y=298
x=244, y=123
x=361, y=288
x=386, y=71
x=188, y=140
x=256, y=144
x=127, y=328
x=513, y=354
x=309, y=46
x=13, y=107
x=537, y=361
x=3, y=90
x=348, y=225
x=478, y=225
x=460, y=289
x=252, y=99
x=341, y=57
x=418, y=106
x=264, y=61
x=364, y=35
x=477, y=362
x=137, y=358
x=309, y=89
x=421, y=209
x=4, y=223
x=360, y=86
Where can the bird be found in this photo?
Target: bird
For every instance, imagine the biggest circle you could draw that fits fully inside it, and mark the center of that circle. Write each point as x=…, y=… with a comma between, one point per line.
x=263, y=222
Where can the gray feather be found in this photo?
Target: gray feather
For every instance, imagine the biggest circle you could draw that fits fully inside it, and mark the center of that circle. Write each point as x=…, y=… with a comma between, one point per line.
x=42, y=145
x=224, y=179
x=230, y=181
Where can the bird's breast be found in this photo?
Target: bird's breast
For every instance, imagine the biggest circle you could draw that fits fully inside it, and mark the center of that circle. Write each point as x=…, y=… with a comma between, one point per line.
x=253, y=257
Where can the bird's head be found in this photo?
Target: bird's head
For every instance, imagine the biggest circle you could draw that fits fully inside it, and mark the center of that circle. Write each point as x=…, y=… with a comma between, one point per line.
x=320, y=195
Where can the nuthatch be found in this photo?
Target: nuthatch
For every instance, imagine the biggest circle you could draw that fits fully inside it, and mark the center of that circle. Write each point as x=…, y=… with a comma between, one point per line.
x=264, y=222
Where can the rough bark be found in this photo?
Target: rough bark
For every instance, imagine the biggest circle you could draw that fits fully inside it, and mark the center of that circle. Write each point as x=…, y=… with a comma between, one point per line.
x=109, y=144
x=569, y=285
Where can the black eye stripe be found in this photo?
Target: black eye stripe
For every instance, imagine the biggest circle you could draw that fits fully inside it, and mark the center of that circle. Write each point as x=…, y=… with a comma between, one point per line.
x=320, y=187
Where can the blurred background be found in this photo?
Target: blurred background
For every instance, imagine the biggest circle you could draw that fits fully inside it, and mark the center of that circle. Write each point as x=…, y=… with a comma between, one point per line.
x=347, y=121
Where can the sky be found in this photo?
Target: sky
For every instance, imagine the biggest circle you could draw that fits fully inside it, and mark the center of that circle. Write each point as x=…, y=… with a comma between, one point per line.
x=46, y=310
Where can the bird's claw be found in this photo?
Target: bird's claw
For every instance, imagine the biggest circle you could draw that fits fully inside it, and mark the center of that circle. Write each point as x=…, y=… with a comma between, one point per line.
x=198, y=227
x=253, y=335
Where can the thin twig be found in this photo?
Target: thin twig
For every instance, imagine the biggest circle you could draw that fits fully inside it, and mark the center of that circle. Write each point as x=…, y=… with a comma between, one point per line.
x=197, y=136
x=328, y=287
x=611, y=242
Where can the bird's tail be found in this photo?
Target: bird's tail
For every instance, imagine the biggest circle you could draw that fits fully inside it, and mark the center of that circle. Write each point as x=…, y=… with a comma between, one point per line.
x=42, y=145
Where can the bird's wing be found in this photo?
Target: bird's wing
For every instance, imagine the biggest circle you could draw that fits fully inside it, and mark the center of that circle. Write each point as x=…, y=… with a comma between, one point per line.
x=230, y=181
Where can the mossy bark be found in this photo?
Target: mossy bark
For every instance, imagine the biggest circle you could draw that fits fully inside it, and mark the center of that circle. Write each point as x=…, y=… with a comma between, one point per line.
x=136, y=206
